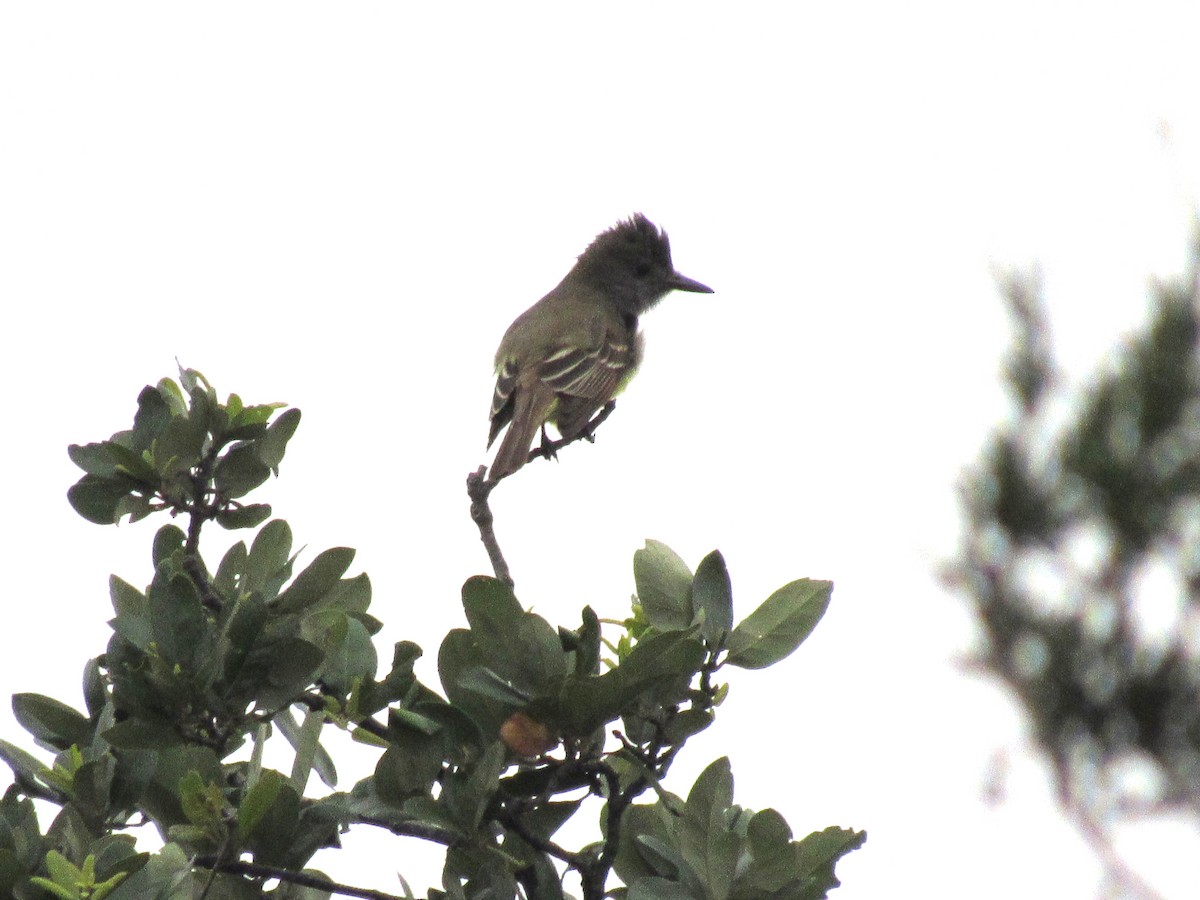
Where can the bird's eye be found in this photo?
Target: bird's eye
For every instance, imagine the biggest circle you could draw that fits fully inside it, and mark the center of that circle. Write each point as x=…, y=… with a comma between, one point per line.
x=642, y=270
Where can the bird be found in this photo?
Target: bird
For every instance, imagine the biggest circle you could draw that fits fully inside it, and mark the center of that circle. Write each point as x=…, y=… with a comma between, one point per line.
x=574, y=350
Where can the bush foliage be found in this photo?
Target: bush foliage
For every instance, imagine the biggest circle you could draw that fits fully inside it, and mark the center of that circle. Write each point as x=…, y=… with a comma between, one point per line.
x=205, y=666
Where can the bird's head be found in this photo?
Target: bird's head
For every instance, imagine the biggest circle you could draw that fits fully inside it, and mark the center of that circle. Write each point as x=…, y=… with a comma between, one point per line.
x=631, y=263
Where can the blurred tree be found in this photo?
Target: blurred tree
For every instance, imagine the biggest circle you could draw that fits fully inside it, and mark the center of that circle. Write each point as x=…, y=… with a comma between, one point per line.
x=1081, y=557
x=206, y=666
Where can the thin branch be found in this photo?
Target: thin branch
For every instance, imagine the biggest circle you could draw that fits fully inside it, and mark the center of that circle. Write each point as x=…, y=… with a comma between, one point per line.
x=423, y=830
x=549, y=449
x=593, y=875
x=238, y=867
x=316, y=703
x=1115, y=867
x=200, y=511
x=481, y=514
x=512, y=821
x=478, y=489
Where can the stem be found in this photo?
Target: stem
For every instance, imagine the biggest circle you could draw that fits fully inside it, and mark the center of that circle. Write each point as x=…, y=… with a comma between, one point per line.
x=238, y=867
x=481, y=514
x=200, y=511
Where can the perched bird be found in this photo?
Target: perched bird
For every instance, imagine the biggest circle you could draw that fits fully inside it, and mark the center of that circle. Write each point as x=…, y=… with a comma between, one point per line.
x=574, y=350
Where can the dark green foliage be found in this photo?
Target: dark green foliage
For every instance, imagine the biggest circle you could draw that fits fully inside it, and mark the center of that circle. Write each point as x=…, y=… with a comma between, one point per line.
x=202, y=664
x=1067, y=515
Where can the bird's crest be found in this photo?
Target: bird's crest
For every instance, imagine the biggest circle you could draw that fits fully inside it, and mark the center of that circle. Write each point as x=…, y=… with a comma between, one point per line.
x=634, y=237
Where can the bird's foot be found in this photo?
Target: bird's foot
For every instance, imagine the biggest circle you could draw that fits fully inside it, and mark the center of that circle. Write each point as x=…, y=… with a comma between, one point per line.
x=548, y=449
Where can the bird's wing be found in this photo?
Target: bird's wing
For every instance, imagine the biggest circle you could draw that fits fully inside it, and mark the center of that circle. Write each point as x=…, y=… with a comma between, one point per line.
x=590, y=368
x=502, y=396
x=587, y=362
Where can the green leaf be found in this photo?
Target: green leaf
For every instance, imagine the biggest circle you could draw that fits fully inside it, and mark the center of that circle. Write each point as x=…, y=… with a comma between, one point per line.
x=487, y=684
x=268, y=564
x=132, y=621
x=173, y=396
x=317, y=757
x=95, y=694
x=239, y=472
x=136, y=505
x=63, y=873
x=142, y=734
x=352, y=595
x=408, y=767
x=490, y=605
x=349, y=651
x=244, y=516
x=151, y=418
x=271, y=446
x=317, y=580
x=203, y=802
x=686, y=723
x=69, y=833
x=93, y=458
x=522, y=648
x=258, y=802
x=773, y=855
x=181, y=443
x=818, y=854
x=664, y=586
x=11, y=871
x=709, y=847
x=126, y=599
x=168, y=540
x=658, y=889
x=294, y=662
x=129, y=462
x=459, y=659
x=97, y=498
x=780, y=624
x=51, y=722
x=23, y=765
x=587, y=644
x=178, y=622
x=588, y=703
x=233, y=563
x=712, y=597
x=482, y=783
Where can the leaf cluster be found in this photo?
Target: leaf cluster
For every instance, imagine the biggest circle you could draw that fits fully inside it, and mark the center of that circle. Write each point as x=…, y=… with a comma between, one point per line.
x=205, y=665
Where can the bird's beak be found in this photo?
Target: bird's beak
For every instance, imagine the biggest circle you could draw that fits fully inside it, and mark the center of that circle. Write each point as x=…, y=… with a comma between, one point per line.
x=683, y=283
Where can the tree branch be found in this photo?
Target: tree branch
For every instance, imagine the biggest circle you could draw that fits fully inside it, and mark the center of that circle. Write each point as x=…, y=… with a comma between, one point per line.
x=238, y=867
x=481, y=514
x=200, y=511
x=512, y=821
x=478, y=489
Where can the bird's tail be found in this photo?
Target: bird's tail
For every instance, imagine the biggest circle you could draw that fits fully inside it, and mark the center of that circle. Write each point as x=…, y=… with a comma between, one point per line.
x=531, y=407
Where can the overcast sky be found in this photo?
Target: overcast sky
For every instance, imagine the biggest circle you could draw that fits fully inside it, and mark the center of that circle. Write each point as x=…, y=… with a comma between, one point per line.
x=343, y=206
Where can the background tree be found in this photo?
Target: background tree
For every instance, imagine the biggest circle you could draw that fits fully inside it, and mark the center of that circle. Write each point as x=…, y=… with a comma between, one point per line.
x=207, y=665
x=1081, y=557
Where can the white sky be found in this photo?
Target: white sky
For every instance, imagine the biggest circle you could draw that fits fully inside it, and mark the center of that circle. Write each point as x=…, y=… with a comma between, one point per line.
x=343, y=207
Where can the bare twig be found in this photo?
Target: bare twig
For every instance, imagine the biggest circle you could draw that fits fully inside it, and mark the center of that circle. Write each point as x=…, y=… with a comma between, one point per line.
x=481, y=514
x=479, y=487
